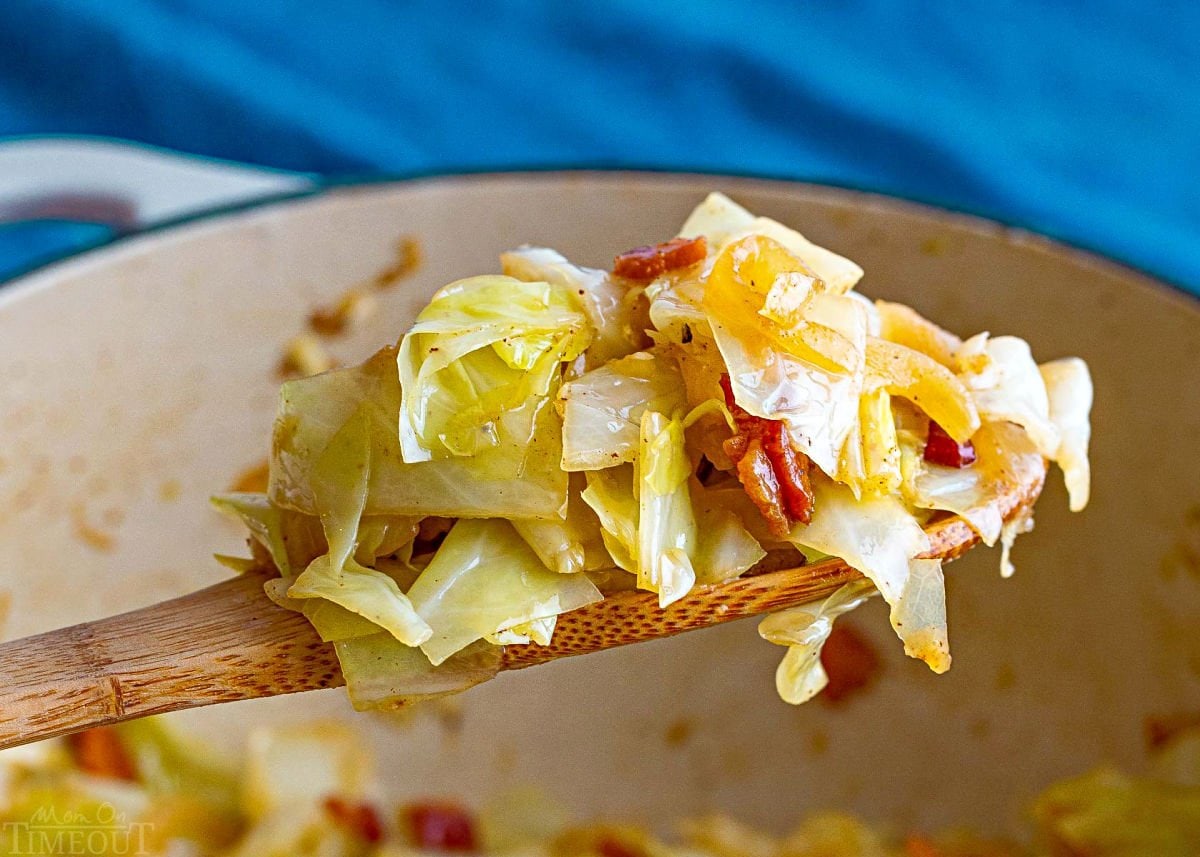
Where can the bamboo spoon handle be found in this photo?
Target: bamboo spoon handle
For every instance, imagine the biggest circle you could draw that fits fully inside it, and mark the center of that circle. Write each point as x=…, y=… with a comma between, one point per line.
x=224, y=643
x=229, y=642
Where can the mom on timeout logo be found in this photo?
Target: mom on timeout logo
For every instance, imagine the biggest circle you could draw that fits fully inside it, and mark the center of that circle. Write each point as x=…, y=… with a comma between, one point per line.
x=103, y=831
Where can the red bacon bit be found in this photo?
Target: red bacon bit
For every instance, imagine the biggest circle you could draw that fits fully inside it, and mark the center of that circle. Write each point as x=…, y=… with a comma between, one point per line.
x=850, y=661
x=610, y=846
x=772, y=471
x=99, y=752
x=440, y=826
x=791, y=467
x=920, y=846
x=940, y=448
x=359, y=819
x=646, y=263
x=1162, y=729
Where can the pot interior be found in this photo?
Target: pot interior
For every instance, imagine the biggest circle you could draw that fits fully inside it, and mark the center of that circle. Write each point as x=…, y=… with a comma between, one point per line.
x=139, y=379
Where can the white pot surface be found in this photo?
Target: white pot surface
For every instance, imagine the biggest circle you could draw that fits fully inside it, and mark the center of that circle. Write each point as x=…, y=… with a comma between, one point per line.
x=138, y=379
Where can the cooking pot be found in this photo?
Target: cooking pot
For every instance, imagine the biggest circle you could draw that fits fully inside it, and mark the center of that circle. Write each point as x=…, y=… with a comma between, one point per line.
x=140, y=377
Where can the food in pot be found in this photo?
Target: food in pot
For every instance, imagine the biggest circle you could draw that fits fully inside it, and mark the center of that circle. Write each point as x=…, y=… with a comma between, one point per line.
x=140, y=789
x=716, y=404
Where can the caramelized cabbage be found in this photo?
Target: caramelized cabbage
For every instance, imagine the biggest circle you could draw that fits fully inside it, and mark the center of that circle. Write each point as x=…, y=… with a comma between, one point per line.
x=722, y=221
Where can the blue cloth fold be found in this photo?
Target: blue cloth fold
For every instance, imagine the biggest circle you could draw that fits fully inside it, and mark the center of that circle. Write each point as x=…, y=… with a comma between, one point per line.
x=1081, y=120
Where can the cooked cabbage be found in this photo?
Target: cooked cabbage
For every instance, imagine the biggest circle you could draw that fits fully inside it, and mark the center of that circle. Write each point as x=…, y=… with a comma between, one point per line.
x=810, y=378
x=905, y=326
x=383, y=673
x=666, y=523
x=879, y=537
x=311, y=789
x=602, y=410
x=485, y=579
x=604, y=300
x=1007, y=387
x=1069, y=390
x=519, y=477
x=919, y=616
x=570, y=544
x=483, y=347
x=804, y=631
x=292, y=539
x=1006, y=458
x=725, y=549
x=926, y=383
x=723, y=222
x=610, y=494
x=580, y=434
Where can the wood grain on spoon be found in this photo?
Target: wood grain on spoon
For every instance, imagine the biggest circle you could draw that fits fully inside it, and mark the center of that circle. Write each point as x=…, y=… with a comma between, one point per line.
x=229, y=642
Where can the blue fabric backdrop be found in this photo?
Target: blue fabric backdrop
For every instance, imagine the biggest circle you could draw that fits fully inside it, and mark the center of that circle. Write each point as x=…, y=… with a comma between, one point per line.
x=1079, y=119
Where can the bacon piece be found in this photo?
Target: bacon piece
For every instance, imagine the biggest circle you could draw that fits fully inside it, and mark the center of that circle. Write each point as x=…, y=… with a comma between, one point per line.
x=1162, y=729
x=920, y=846
x=791, y=467
x=360, y=819
x=610, y=846
x=757, y=475
x=940, y=448
x=443, y=827
x=646, y=263
x=773, y=472
x=99, y=752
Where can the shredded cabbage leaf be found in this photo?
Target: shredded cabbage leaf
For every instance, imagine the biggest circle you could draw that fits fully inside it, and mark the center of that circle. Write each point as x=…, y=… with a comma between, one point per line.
x=485, y=579
x=725, y=548
x=722, y=221
x=571, y=544
x=666, y=523
x=919, y=617
x=483, y=347
x=292, y=539
x=804, y=631
x=382, y=673
x=339, y=479
x=602, y=410
x=1007, y=387
x=604, y=300
x=926, y=383
x=905, y=326
x=610, y=494
x=1069, y=390
x=879, y=537
x=1006, y=458
x=808, y=377
x=519, y=477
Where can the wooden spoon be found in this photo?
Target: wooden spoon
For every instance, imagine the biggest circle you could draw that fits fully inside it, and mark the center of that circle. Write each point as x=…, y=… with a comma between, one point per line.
x=230, y=642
